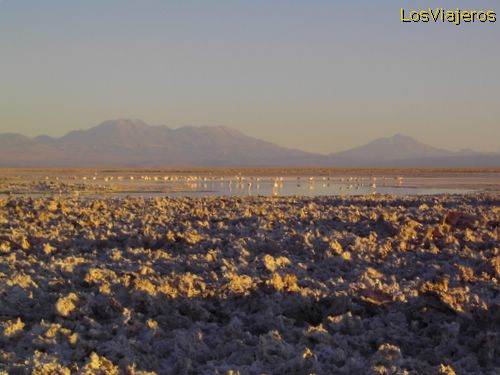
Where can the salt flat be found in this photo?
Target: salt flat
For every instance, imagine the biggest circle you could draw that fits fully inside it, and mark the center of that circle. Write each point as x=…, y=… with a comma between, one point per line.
x=246, y=182
x=273, y=285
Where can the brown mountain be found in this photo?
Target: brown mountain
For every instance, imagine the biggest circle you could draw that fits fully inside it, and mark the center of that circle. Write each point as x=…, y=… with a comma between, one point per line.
x=403, y=151
x=133, y=143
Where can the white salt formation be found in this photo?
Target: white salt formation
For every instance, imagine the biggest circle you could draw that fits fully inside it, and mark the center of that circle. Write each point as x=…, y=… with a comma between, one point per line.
x=360, y=285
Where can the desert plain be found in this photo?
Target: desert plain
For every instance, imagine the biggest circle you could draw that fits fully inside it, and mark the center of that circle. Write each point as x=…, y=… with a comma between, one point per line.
x=94, y=280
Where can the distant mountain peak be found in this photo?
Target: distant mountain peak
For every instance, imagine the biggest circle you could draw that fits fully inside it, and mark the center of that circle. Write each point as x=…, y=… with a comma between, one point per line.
x=401, y=135
x=133, y=143
x=122, y=123
x=397, y=138
x=397, y=147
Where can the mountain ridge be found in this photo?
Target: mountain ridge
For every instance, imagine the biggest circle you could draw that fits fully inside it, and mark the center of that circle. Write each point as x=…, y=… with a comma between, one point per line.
x=134, y=143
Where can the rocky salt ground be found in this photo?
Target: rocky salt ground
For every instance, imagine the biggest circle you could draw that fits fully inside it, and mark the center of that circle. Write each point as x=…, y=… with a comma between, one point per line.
x=360, y=285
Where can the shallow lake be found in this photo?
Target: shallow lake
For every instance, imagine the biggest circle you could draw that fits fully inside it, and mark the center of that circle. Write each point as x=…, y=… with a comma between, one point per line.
x=206, y=185
x=287, y=187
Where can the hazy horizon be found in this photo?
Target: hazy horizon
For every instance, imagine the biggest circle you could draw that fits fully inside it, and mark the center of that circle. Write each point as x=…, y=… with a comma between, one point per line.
x=317, y=76
x=260, y=138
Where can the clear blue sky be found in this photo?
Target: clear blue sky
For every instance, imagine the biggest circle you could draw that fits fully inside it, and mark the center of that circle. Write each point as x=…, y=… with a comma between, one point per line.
x=321, y=75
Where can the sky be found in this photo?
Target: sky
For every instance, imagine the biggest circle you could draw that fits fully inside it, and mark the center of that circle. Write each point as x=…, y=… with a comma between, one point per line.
x=319, y=75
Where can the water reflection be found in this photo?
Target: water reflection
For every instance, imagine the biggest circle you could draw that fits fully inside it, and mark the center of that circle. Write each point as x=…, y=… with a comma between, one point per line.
x=239, y=185
x=303, y=186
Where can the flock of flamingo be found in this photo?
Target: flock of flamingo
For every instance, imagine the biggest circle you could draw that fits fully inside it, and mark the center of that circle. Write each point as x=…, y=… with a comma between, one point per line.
x=240, y=182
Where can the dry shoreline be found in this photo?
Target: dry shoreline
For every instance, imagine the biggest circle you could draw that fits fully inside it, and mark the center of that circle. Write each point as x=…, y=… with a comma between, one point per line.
x=294, y=285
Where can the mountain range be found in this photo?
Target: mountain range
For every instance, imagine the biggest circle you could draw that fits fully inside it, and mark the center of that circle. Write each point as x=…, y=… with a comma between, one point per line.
x=133, y=143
